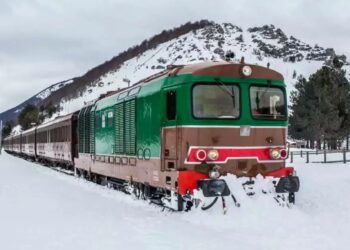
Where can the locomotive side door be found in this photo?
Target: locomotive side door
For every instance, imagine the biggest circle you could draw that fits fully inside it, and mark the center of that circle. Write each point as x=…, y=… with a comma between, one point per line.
x=169, y=132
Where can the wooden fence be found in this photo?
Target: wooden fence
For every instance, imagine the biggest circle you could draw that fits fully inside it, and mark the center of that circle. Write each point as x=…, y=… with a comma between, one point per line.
x=324, y=153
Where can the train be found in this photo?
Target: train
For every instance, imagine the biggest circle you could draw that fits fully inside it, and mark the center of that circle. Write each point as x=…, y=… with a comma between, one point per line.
x=172, y=137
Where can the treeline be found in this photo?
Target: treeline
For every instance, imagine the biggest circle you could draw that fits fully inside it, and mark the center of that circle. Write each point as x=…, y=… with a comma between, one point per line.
x=7, y=129
x=80, y=84
x=320, y=107
x=30, y=116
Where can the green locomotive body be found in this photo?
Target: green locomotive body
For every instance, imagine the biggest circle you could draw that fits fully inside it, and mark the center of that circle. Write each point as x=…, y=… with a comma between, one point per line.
x=170, y=131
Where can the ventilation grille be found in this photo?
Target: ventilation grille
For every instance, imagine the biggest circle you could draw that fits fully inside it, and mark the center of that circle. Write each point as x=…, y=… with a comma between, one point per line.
x=92, y=131
x=125, y=127
x=130, y=127
x=84, y=125
x=119, y=128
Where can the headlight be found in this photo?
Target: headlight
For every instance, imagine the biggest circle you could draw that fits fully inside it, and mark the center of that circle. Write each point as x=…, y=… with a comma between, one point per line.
x=246, y=70
x=214, y=174
x=214, y=188
x=217, y=188
x=275, y=154
x=213, y=155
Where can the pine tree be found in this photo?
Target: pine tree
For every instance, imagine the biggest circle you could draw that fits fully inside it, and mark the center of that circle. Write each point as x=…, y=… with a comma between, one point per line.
x=7, y=129
x=28, y=117
x=321, y=106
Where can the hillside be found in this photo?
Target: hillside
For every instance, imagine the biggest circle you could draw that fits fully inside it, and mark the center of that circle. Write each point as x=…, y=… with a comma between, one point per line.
x=190, y=43
x=37, y=100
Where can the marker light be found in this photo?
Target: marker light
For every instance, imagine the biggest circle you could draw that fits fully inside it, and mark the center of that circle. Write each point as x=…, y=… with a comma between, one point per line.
x=201, y=155
x=283, y=153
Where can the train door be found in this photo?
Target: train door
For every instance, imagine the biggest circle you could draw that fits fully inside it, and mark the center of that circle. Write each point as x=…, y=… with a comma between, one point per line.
x=170, y=132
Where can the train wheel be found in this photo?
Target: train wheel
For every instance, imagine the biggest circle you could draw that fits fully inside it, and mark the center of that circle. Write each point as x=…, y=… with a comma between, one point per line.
x=104, y=181
x=136, y=191
x=142, y=194
x=79, y=172
x=173, y=200
x=95, y=178
x=180, y=203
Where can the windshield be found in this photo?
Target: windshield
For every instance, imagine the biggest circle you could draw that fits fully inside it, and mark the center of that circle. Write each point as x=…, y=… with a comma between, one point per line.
x=216, y=101
x=267, y=103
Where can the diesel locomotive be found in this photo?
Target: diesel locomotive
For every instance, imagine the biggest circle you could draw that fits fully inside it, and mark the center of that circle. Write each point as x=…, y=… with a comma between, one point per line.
x=176, y=133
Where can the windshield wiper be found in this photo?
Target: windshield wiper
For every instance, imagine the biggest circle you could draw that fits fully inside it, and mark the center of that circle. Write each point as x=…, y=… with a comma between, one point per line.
x=225, y=88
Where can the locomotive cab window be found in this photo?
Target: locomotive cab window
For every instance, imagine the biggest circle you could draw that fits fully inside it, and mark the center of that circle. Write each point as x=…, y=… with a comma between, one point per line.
x=215, y=101
x=134, y=91
x=171, y=105
x=267, y=103
x=122, y=95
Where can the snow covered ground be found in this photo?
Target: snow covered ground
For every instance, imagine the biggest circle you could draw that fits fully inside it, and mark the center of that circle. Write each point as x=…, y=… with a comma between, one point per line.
x=44, y=209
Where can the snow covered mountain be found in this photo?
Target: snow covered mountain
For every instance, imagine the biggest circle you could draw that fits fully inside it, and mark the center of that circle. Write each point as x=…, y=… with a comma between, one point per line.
x=55, y=87
x=259, y=45
x=191, y=43
x=11, y=114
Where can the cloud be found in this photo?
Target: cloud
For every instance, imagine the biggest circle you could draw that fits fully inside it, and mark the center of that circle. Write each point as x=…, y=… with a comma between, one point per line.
x=43, y=42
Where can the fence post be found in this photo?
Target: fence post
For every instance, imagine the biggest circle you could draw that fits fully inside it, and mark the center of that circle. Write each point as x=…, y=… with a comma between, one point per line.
x=325, y=156
x=307, y=157
x=291, y=157
x=301, y=153
x=344, y=156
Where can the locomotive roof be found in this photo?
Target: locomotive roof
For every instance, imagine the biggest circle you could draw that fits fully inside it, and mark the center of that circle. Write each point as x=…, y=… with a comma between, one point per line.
x=226, y=69
x=216, y=69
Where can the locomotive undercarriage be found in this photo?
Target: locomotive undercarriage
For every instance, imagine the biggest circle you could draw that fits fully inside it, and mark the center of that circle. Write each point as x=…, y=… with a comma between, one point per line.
x=275, y=189
x=269, y=187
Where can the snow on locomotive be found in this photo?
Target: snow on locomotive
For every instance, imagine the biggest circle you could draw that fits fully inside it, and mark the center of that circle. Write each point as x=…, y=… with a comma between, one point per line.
x=183, y=130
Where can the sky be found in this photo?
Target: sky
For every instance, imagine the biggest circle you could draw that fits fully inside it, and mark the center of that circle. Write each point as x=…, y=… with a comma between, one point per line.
x=43, y=42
